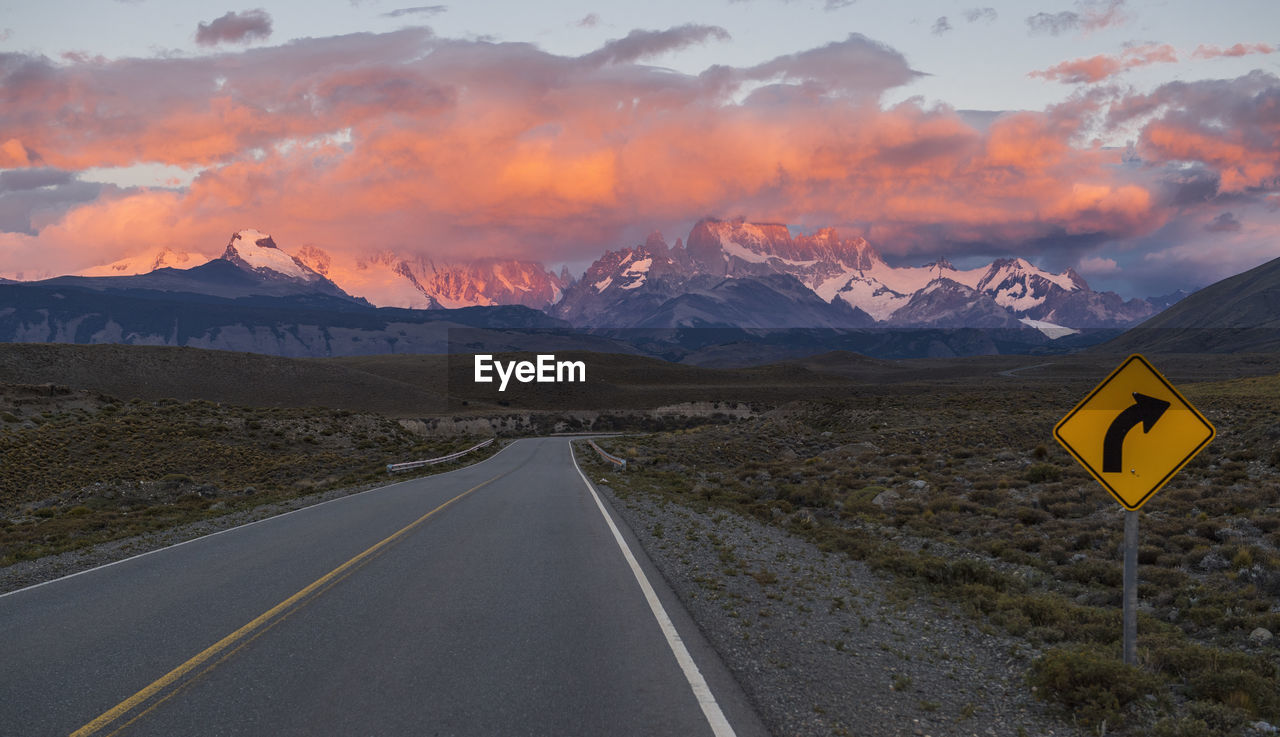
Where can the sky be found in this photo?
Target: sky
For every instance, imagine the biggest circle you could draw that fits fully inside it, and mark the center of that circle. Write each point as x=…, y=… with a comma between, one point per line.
x=1137, y=142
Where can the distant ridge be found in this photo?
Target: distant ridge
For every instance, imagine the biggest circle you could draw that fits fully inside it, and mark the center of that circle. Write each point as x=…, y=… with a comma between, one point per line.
x=1240, y=314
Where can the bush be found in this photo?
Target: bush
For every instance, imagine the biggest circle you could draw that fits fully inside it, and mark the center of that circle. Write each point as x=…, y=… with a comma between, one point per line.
x=1043, y=472
x=1239, y=689
x=1031, y=515
x=1217, y=716
x=1109, y=575
x=1093, y=686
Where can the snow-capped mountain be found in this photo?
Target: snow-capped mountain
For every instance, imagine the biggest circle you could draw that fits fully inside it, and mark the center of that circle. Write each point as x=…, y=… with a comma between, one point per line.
x=623, y=285
x=387, y=279
x=258, y=254
x=488, y=281
x=146, y=263
x=255, y=251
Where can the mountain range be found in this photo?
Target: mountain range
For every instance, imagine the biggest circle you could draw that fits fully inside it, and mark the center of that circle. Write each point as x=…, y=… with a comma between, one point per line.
x=727, y=274
x=727, y=268
x=735, y=293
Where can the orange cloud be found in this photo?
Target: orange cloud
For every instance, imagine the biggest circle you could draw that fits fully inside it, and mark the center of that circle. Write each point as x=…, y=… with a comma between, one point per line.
x=1102, y=66
x=459, y=149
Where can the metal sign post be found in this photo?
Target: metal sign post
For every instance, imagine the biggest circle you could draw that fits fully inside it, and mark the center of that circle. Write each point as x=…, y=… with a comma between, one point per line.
x=1130, y=587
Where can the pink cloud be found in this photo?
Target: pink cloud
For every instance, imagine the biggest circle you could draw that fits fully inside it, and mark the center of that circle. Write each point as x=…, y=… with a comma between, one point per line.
x=1241, y=49
x=1102, y=66
x=1097, y=266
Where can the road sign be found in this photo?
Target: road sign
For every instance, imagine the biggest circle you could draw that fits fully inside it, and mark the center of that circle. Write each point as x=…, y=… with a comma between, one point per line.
x=1134, y=432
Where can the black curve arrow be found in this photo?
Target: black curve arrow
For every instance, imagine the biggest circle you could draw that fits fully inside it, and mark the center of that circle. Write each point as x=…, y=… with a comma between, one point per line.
x=1144, y=409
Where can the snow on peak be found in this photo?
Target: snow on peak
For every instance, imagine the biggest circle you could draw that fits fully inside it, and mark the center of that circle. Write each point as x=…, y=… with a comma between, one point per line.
x=1019, y=285
x=253, y=237
x=637, y=272
x=1002, y=270
x=146, y=263
x=255, y=250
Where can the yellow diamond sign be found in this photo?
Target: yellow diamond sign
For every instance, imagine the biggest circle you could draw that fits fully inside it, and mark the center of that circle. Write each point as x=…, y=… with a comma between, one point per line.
x=1134, y=432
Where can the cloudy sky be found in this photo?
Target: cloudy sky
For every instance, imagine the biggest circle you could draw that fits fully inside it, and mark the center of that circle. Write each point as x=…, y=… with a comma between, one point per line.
x=1136, y=141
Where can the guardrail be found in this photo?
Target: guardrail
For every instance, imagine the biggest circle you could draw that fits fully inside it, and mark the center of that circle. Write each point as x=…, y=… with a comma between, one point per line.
x=619, y=462
x=393, y=467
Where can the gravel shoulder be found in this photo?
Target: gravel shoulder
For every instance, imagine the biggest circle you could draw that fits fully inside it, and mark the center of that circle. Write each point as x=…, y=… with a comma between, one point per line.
x=824, y=646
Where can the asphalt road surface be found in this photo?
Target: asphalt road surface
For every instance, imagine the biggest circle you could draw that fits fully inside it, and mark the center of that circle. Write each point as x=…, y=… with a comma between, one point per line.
x=492, y=600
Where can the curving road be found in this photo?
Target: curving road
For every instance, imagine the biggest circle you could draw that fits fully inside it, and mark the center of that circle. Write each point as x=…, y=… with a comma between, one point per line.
x=497, y=599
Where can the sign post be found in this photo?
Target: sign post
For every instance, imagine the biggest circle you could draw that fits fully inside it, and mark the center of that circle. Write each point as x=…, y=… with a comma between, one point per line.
x=1132, y=466
x=1130, y=587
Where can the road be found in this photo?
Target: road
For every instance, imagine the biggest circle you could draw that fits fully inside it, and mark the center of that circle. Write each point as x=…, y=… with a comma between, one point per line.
x=492, y=600
x=1014, y=371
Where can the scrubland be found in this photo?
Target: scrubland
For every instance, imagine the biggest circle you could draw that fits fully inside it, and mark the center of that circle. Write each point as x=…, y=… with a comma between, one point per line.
x=80, y=468
x=960, y=494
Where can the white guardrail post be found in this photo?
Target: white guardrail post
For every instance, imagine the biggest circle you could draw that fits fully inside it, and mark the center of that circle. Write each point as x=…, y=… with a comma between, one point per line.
x=619, y=462
x=393, y=467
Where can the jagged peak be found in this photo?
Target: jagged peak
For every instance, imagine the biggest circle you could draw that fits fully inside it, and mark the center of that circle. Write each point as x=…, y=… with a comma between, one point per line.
x=942, y=263
x=656, y=244
x=256, y=251
x=1076, y=279
x=252, y=237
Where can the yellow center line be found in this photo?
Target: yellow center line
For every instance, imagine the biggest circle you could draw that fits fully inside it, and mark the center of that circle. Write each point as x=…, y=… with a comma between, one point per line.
x=213, y=650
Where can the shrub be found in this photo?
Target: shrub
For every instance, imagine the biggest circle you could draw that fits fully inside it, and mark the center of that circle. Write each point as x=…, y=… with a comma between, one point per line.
x=1240, y=689
x=1097, y=572
x=1242, y=559
x=1042, y=472
x=1031, y=515
x=1217, y=716
x=1093, y=686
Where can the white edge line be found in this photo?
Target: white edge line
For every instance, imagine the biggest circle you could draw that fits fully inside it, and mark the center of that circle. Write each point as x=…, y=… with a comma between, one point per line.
x=248, y=524
x=701, y=691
